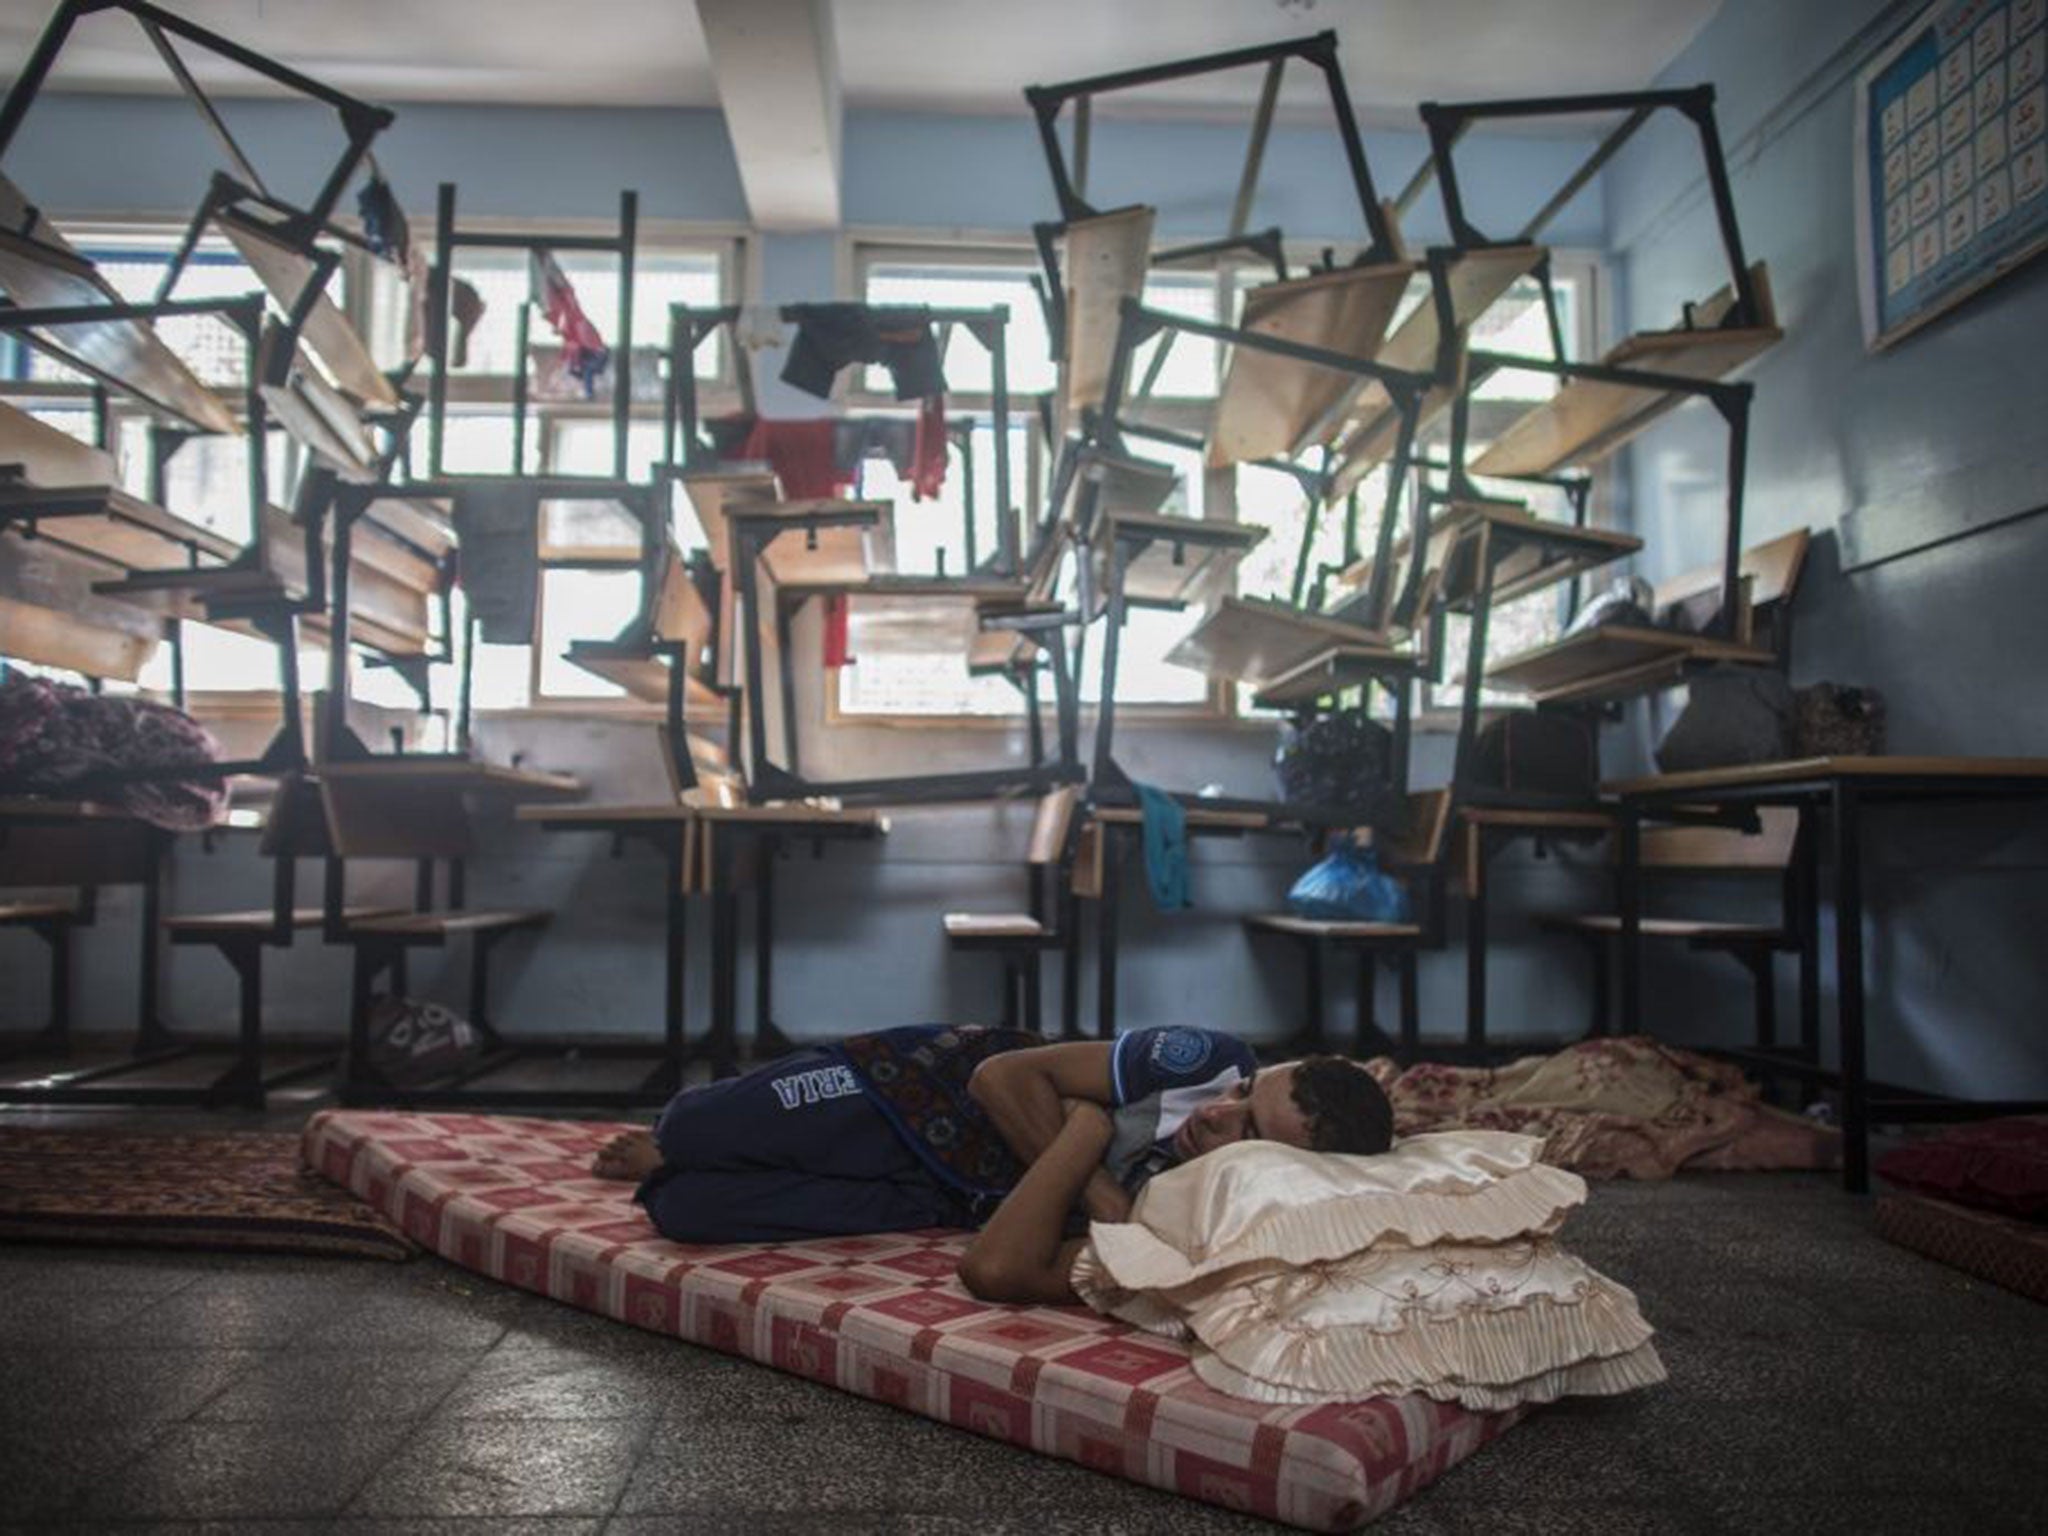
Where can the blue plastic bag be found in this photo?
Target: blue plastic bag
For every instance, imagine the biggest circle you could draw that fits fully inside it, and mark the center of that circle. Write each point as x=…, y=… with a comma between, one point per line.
x=1348, y=886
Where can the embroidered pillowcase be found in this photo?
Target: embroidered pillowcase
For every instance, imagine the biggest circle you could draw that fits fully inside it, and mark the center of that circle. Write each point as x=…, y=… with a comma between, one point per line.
x=1307, y=1277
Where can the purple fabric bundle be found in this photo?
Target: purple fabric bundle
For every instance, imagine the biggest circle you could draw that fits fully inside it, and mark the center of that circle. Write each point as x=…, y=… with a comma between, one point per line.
x=54, y=739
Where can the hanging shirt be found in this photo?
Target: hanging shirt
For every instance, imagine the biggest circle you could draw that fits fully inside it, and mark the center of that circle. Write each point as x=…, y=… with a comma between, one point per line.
x=1159, y=1077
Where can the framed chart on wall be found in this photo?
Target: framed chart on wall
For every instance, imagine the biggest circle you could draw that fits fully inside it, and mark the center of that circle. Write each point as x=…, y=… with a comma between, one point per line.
x=1951, y=160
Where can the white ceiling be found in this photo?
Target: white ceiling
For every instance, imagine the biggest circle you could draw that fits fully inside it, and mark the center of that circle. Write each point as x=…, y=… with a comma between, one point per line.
x=971, y=56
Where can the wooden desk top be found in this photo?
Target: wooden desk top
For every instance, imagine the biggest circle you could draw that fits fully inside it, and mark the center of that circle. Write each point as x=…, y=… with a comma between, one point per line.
x=454, y=773
x=801, y=818
x=1535, y=820
x=603, y=815
x=1870, y=770
x=1198, y=819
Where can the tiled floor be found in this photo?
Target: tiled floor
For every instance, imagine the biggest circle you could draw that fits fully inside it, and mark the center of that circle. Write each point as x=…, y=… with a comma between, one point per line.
x=1820, y=1381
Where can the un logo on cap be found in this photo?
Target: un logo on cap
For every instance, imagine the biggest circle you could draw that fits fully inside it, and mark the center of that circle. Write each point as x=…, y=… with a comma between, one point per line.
x=1181, y=1050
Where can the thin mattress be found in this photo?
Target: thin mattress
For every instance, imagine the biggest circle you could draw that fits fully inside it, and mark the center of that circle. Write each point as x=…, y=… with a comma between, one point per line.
x=884, y=1317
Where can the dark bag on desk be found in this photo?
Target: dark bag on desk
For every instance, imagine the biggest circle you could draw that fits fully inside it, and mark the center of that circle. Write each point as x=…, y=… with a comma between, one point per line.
x=1340, y=765
x=1540, y=753
x=1732, y=715
x=1830, y=720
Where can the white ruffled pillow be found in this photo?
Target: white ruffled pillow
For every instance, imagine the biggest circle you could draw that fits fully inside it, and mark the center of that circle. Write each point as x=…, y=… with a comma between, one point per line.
x=1310, y=1277
x=1260, y=1202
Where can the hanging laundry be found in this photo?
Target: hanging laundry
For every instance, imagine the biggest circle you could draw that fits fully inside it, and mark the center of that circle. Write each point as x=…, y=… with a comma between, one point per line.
x=499, y=561
x=1165, y=835
x=928, y=455
x=838, y=642
x=830, y=336
x=912, y=447
x=584, y=354
x=385, y=229
x=465, y=307
x=803, y=454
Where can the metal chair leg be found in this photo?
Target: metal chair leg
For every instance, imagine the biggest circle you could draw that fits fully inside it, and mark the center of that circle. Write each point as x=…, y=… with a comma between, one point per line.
x=1411, y=1010
x=1033, y=1004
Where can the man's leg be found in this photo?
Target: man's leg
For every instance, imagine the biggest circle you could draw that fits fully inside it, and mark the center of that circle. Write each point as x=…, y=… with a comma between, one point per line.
x=773, y=1205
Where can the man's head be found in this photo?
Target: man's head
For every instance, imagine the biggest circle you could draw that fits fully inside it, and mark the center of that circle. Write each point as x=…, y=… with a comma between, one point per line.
x=1321, y=1103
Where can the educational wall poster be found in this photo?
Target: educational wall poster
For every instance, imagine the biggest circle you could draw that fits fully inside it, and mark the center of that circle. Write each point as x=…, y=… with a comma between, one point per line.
x=1951, y=160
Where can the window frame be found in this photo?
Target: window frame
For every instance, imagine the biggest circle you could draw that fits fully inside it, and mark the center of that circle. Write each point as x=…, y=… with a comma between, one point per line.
x=861, y=250
x=730, y=245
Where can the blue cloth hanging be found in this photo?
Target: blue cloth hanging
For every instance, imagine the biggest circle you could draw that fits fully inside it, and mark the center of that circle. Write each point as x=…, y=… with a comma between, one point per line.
x=1166, y=848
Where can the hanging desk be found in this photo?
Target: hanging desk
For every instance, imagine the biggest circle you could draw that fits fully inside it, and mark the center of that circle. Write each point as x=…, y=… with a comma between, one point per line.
x=1590, y=417
x=1249, y=641
x=1275, y=406
x=1471, y=281
x=288, y=273
x=40, y=270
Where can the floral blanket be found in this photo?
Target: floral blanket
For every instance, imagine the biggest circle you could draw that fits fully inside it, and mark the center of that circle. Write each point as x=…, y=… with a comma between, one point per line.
x=54, y=739
x=1628, y=1107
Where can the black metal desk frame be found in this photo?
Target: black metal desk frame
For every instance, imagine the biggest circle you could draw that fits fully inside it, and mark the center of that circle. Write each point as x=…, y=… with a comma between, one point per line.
x=1840, y=800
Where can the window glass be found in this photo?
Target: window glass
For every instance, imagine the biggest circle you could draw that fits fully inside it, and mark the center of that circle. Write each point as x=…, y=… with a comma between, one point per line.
x=581, y=605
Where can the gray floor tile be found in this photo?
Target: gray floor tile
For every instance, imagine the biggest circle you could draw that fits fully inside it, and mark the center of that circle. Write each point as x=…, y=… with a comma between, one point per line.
x=47, y=1475
x=241, y=1311
x=52, y=1317
x=68, y=1387
x=561, y=1384
x=72, y=1271
x=409, y=1318
x=226, y=1471
x=334, y=1384
x=490, y=1468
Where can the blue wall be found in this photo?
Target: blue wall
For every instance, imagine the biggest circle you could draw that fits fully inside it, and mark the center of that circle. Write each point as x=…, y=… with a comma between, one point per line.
x=1939, y=434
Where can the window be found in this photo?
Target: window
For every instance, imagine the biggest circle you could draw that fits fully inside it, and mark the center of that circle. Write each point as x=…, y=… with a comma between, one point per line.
x=206, y=477
x=888, y=680
x=590, y=585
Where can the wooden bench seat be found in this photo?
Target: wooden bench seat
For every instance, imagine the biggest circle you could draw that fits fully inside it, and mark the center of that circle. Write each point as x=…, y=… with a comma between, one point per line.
x=1697, y=929
x=1331, y=928
x=205, y=926
x=15, y=914
x=435, y=927
x=1418, y=855
x=970, y=927
x=1022, y=937
x=1704, y=851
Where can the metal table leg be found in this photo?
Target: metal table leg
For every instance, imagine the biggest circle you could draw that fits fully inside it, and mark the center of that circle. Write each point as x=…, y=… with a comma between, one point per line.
x=1475, y=943
x=1843, y=812
x=722, y=1042
x=1105, y=932
x=1628, y=878
x=769, y=1041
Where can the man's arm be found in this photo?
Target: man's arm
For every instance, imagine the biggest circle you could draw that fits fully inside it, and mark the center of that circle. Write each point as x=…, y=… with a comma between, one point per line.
x=1021, y=1092
x=1020, y=1254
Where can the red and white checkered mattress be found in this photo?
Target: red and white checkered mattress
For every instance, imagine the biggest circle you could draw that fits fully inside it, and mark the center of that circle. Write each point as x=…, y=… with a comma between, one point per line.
x=884, y=1317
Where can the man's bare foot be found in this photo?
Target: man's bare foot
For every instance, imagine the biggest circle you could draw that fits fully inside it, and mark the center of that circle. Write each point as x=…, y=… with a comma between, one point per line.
x=630, y=1155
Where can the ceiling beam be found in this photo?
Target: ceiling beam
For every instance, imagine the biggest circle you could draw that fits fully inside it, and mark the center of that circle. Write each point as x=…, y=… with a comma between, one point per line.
x=778, y=83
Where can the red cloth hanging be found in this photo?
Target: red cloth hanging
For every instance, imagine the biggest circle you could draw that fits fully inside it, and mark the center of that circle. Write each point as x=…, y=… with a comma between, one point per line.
x=928, y=452
x=838, y=649
x=801, y=454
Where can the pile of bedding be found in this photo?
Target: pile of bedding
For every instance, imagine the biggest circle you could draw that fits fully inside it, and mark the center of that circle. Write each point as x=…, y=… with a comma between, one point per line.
x=1628, y=1107
x=1434, y=1268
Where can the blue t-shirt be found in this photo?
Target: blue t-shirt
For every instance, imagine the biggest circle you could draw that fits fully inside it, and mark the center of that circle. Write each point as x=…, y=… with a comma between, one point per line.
x=1159, y=1077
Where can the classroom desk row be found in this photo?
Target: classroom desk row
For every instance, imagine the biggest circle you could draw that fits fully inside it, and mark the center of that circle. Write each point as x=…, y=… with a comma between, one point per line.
x=414, y=808
x=713, y=851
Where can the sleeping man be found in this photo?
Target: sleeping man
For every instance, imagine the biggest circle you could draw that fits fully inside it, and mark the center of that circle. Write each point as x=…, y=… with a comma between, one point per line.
x=935, y=1126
